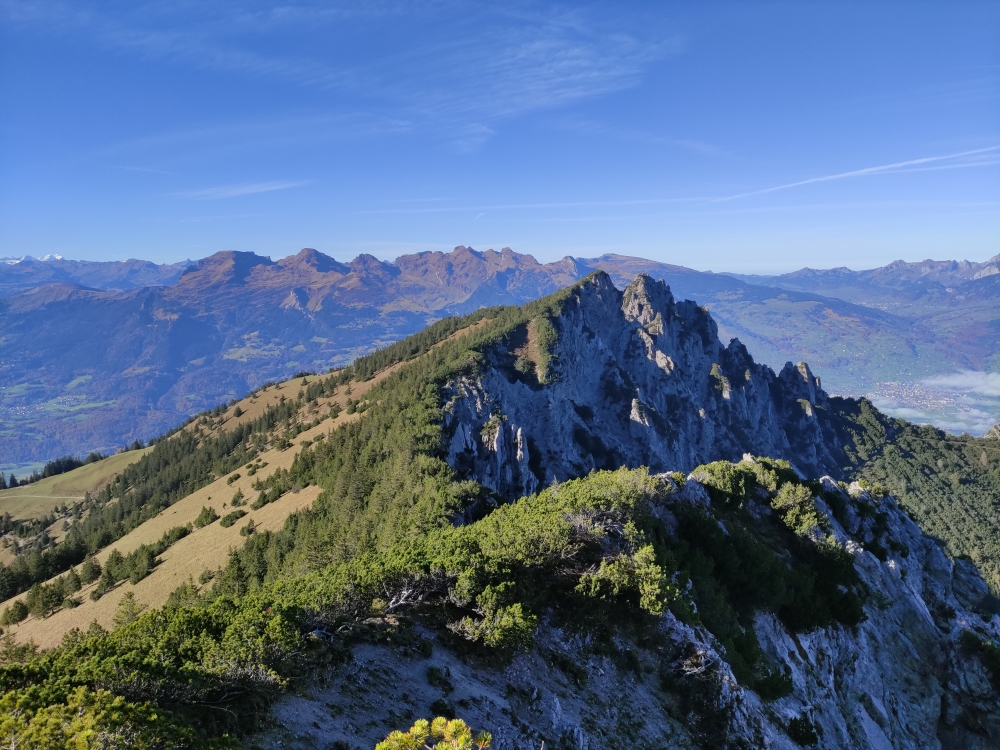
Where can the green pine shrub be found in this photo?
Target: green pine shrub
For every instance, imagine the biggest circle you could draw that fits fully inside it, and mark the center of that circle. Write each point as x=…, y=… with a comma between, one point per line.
x=205, y=517
x=231, y=518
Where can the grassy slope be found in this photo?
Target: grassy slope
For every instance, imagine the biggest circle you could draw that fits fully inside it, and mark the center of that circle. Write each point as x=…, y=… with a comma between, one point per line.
x=39, y=498
x=207, y=548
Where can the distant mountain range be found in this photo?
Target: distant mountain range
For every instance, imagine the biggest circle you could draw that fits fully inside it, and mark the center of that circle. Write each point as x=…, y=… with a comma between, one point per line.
x=899, y=286
x=21, y=274
x=94, y=355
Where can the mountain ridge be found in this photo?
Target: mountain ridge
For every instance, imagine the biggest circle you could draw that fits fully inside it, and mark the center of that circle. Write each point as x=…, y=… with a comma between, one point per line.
x=83, y=368
x=739, y=605
x=633, y=379
x=884, y=284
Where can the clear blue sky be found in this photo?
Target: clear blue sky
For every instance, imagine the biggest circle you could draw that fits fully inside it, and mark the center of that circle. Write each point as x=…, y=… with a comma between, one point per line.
x=748, y=136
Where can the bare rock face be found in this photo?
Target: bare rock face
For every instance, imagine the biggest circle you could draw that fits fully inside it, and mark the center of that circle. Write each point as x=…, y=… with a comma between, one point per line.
x=637, y=379
x=903, y=678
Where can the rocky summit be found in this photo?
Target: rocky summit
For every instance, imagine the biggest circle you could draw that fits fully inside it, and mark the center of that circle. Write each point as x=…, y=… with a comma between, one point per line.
x=634, y=378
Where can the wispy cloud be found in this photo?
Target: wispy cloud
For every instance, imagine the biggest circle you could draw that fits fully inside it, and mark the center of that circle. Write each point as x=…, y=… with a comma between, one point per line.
x=969, y=381
x=235, y=191
x=458, y=75
x=259, y=133
x=140, y=169
x=545, y=64
x=911, y=165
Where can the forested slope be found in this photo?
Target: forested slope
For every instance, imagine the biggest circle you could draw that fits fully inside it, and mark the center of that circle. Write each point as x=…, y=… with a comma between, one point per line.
x=949, y=483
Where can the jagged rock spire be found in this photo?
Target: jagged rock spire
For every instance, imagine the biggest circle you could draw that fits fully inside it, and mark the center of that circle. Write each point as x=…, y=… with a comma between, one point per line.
x=638, y=379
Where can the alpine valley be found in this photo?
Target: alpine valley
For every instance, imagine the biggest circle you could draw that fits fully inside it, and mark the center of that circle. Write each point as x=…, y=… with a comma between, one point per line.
x=585, y=521
x=94, y=356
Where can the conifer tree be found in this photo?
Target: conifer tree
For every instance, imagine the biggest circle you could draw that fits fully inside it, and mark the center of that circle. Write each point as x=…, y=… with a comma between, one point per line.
x=72, y=583
x=128, y=610
x=90, y=571
x=106, y=583
x=440, y=733
x=14, y=614
x=33, y=600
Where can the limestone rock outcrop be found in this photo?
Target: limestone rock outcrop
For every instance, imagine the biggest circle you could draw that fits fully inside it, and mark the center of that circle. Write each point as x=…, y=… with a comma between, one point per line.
x=637, y=379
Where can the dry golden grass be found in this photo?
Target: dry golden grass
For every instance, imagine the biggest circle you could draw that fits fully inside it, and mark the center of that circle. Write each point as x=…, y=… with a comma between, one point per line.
x=203, y=549
x=255, y=405
x=39, y=498
x=206, y=548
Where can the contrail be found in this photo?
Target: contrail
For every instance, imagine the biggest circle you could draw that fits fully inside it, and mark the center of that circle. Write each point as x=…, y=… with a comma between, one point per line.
x=858, y=173
x=236, y=191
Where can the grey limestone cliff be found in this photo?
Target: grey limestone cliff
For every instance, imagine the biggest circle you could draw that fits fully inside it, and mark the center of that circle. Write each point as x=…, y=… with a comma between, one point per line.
x=636, y=379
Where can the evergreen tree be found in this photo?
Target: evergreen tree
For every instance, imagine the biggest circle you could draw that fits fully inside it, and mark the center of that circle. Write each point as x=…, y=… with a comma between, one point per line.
x=73, y=582
x=14, y=614
x=440, y=733
x=90, y=571
x=33, y=600
x=207, y=516
x=106, y=583
x=128, y=610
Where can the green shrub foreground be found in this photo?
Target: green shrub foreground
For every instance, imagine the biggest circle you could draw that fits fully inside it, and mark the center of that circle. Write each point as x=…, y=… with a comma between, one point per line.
x=192, y=675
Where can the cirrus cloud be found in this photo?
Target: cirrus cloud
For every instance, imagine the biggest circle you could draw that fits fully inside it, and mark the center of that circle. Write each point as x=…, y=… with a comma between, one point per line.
x=235, y=191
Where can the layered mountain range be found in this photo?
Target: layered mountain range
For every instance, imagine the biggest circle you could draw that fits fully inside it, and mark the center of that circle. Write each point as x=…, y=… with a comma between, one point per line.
x=21, y=274
x=899, y=286
x=94, y=355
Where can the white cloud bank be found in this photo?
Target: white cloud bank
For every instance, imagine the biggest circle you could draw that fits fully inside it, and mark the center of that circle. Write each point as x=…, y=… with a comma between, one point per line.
x=969, y=381
x=966, y=401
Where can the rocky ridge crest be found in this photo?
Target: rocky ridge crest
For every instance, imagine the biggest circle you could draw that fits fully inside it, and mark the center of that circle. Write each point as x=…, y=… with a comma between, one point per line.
x=903, y=678
x=636, y=379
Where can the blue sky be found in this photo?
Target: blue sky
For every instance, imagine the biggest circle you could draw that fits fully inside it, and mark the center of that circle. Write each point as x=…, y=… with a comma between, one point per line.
x=749, y=137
